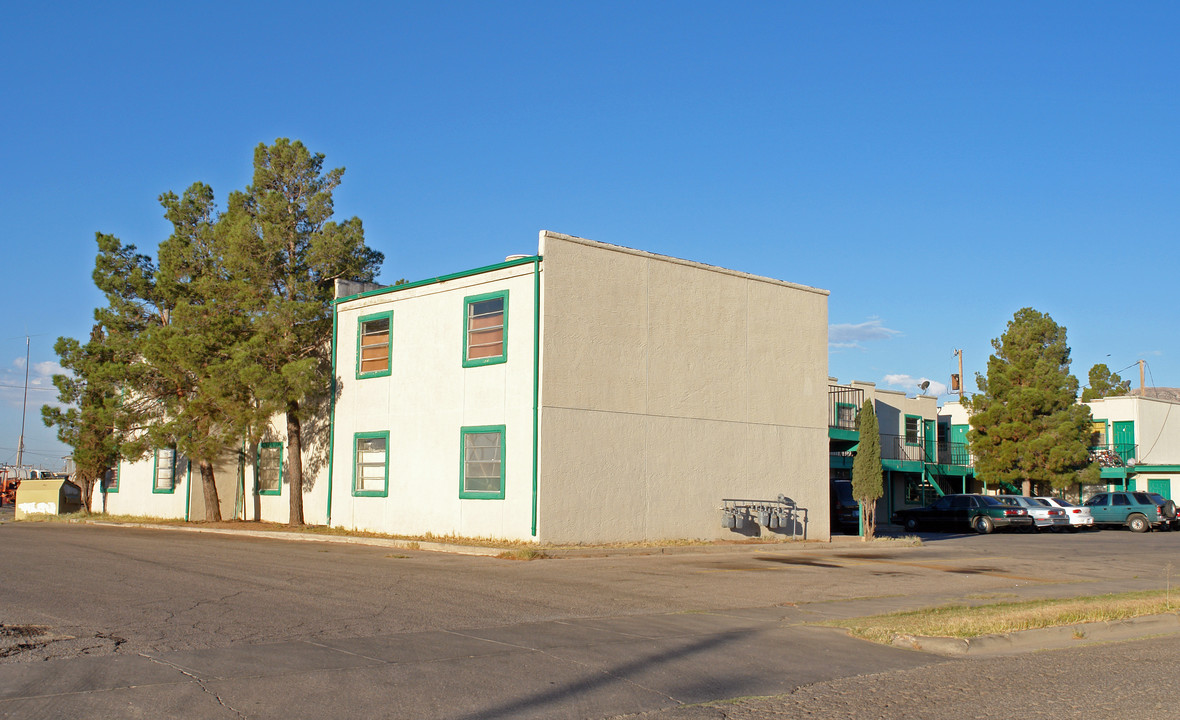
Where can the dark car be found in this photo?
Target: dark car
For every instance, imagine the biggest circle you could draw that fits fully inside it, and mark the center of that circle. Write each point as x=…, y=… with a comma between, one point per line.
x=981, y=513
x=1136, y=510
x=845, y=509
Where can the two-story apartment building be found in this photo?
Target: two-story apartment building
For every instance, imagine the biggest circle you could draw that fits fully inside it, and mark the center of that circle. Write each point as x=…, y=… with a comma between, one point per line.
x=924, y=450
x=1136, y=441
x=588, y=393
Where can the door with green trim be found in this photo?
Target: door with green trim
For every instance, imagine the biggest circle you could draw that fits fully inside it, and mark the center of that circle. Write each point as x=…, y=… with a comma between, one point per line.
x=1124, y=439
x=931, y=440
x=1163, y=486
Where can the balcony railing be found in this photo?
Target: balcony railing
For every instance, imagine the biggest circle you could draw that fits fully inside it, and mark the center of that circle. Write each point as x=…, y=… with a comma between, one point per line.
x=1113, y=455
x=843, y=406
x=895, y=447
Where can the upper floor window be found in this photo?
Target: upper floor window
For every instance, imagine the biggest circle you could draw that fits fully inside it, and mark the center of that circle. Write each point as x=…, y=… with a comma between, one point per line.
x=485, y=329
x=913, y=425
x=374, y=345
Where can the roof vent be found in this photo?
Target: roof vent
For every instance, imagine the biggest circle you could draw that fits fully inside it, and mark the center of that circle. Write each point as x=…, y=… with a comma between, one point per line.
x=510, y=258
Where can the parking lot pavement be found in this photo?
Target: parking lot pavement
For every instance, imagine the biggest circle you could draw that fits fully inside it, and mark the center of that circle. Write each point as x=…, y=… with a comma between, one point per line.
x=174, y=624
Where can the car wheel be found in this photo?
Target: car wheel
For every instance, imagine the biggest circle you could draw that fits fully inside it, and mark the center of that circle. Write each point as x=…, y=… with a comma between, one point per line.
x=911, y=524
x=1138, y=523
x=982, y=524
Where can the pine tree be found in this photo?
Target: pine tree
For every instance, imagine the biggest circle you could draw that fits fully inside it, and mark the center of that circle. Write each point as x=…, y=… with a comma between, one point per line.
x=91, y=395
x=285, y=253
x=1104, y=383
x=1025, y=422
x=867, y=480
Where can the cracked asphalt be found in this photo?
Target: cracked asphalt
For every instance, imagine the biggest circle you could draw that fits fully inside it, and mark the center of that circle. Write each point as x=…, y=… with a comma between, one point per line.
x=122, y=622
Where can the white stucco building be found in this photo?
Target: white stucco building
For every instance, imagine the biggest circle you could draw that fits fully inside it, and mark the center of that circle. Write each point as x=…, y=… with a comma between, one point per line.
x=589, y=393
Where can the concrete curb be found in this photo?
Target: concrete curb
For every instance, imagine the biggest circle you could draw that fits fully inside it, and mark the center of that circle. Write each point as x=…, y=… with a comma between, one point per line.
x=1050, y=638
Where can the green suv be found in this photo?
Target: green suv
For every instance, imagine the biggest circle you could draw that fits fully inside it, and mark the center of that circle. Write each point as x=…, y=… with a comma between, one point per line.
x=1136, y=510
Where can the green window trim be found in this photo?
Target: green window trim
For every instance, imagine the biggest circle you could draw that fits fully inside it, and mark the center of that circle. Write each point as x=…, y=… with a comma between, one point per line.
x=464, y=433
x=917, y=430
x=278, y=490
x=156, y=489
x=113, y=485
x=374, y=345
x=468, y=308
x=356, y=464
x=853, y=412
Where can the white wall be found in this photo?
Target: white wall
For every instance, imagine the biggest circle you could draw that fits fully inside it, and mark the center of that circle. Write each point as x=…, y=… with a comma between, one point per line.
x=135, y=496
x=424, y=402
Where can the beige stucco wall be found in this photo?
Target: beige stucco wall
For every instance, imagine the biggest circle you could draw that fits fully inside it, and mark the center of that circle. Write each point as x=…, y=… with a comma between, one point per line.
x=667, y=386
x=425, y=401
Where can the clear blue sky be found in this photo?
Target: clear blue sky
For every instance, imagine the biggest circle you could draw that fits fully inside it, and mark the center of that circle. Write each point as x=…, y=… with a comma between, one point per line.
x=936, y=166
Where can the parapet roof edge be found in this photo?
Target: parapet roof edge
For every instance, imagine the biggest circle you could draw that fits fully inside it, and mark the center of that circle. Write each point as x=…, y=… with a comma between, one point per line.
x=680, y=261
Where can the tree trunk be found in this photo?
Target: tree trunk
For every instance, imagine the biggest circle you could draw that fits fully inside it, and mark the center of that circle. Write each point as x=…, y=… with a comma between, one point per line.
x=295, y=463
x=87, y=487
x=868, y=519
x=1026, y=488
x=209, y=484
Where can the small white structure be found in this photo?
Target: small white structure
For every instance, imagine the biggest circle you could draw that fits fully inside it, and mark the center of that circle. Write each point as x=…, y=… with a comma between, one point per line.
x=590, y=393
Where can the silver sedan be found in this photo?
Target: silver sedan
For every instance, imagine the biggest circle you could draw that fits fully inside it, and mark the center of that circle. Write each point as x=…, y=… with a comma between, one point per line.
x=1079, y=516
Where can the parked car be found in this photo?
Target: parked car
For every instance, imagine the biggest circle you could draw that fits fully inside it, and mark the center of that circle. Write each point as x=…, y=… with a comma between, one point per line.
x=1168, y=508
x=1044, y=515
x=981, y=513
x=1079, y=517
x=1136, y=510
x=845, y=509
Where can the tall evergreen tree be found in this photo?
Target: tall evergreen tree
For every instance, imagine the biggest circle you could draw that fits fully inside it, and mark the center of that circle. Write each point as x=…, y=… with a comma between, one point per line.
x=1104, y=383
x=178, y=330
x=1025, y=422
x=867, y=479
x=91, y=394
x=286, y=253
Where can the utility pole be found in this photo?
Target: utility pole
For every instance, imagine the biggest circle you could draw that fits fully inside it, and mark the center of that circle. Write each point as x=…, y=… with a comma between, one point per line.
x=1141, y=376
x=20, y=446
x=958, y=384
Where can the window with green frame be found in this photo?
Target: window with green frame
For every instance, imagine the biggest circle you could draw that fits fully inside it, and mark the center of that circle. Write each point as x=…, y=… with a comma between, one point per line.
x=164, y=471
x=485, y=329
x=370, y=464
x=481, y=468
x=913, y=429
x=846, y=415
x=268, y=468
x=110, y=480
x=374, y=345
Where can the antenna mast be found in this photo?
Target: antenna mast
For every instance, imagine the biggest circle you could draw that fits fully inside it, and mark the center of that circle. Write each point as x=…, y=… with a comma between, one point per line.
x=20, y=447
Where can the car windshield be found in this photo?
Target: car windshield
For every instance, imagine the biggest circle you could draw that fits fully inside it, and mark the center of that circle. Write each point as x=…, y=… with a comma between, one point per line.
x=1043, y=501
x=1063, y=503
x=989, y=500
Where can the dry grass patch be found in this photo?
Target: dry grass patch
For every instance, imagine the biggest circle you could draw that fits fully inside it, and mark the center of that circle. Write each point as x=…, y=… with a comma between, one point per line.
x=962, y=621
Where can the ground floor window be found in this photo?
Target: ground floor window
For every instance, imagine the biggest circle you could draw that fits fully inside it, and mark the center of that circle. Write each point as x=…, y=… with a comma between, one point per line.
x=482, y=466
x=110, y=480
x=165, y=471
x=370, y=476
x=268, y=468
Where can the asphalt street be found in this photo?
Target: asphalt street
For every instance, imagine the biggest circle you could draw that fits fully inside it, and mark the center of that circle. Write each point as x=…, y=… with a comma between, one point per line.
x=121, y=622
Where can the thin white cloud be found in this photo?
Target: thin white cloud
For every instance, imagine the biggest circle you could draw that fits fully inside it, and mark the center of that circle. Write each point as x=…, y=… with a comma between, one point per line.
x=851, y=335
x=910, y=384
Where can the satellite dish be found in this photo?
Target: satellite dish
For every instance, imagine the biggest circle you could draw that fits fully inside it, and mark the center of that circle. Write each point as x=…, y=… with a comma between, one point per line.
x=924, y=385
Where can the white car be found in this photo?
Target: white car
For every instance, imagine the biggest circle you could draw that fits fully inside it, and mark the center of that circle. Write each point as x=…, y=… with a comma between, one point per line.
x=1044, y=515
x=1079, y=516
